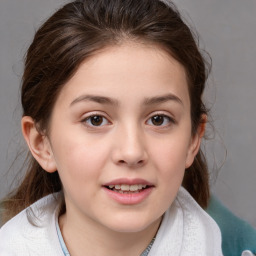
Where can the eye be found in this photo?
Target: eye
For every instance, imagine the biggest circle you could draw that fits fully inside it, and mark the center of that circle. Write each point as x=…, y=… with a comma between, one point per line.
x=159, y=120
x=96, y=120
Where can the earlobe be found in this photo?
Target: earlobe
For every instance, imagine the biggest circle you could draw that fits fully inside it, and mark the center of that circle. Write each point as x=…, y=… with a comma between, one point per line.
x=196, y=142
x=38, y=144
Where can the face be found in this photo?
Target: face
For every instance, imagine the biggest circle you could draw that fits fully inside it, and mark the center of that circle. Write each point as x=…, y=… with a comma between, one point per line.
x=120, y=137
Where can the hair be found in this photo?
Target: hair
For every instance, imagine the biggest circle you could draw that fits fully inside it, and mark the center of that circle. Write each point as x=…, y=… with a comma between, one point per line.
x=79, y=30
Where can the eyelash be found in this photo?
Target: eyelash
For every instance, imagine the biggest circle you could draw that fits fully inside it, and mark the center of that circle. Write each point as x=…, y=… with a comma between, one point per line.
x=88, y=120
x=166, y=120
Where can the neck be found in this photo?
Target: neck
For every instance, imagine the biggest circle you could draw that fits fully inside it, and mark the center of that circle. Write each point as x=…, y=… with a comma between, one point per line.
x=95, y=240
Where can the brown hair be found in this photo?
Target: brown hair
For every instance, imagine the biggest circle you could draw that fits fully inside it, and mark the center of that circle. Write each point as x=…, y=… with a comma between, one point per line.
x=75, y=32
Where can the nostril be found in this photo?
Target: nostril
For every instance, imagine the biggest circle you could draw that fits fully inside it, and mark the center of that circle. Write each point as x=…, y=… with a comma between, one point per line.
x=130, y=163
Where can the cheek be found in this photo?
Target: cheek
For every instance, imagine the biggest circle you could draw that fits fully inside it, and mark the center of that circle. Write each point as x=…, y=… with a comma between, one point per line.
x=171, y=166
x=79, y=160
x=171, y=154
x=169, y=161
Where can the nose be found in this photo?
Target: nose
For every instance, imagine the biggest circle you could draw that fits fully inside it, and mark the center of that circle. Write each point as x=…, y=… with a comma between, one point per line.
x=130, y=147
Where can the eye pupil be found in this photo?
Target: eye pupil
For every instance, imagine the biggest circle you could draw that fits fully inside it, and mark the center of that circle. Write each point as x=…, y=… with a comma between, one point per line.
x=96, y=120
x=157, y=120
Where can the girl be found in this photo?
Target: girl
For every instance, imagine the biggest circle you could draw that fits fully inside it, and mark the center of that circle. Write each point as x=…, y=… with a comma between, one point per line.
x=113, y=118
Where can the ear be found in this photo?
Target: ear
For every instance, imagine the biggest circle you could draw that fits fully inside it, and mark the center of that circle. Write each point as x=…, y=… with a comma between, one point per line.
x=38, y=144
x=196, y=141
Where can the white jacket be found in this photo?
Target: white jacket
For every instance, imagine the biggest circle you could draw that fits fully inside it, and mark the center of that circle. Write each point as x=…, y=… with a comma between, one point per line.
x=186, y=230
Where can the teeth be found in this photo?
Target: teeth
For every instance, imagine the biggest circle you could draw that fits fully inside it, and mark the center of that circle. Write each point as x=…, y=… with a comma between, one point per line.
x=134, y=187
x=125, y=187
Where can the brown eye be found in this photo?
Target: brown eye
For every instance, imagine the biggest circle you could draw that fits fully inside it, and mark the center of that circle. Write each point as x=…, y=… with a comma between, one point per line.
x=96, y=120
x=159, y=120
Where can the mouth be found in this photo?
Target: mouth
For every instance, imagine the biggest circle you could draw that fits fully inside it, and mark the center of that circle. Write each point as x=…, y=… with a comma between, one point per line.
x=128, y=189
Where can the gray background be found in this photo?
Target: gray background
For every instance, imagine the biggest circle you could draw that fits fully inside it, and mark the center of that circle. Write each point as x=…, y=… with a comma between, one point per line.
x=227, y=30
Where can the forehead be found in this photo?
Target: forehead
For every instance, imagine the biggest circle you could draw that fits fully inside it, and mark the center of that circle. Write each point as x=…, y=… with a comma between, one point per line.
x=132, y=69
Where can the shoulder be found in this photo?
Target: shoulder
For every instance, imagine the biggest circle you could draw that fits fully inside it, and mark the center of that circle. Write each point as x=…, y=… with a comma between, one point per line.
x=187, y=230
x=32, y=231
x=199, y=223
x=237, y=234
x=193, y=212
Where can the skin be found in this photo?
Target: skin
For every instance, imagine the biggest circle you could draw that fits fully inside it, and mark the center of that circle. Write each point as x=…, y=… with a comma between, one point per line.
x=133, y=83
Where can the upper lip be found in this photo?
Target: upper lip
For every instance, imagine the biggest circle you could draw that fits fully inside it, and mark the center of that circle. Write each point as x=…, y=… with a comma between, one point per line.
x=128, y=182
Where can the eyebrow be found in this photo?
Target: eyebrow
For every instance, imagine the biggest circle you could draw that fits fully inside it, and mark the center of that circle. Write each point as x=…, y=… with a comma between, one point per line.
x=162, y=99
x=111, y=101
x=95, y=98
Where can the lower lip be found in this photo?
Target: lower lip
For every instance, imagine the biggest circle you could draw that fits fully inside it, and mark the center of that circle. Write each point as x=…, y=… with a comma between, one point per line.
x=129, y=198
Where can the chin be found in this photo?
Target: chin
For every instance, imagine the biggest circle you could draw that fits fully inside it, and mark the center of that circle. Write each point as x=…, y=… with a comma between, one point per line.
x=128, y=224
